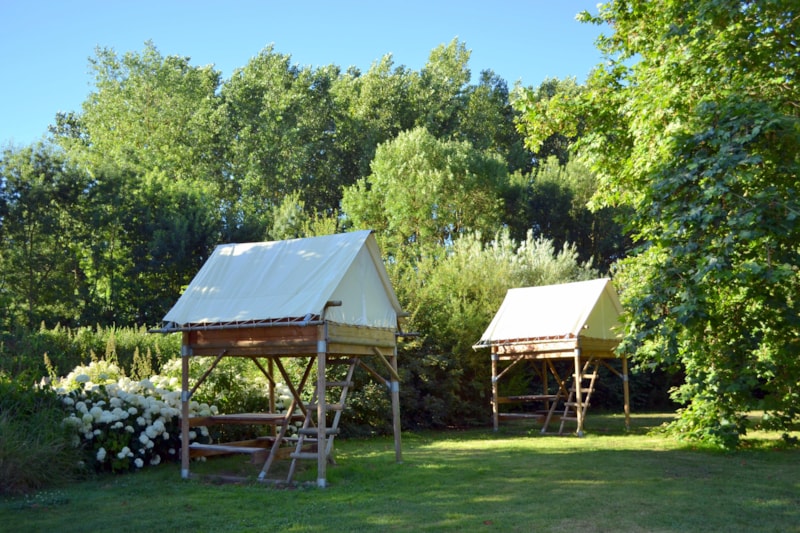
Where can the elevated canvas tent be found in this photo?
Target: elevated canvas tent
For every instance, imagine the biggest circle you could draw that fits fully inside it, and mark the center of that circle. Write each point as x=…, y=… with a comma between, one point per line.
x=571, y=321
x=326, y=298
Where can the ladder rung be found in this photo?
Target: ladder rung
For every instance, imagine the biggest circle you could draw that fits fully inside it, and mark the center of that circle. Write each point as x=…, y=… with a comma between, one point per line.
x=573, y=418
x=589, y=376
x=223, y=448
x=329, y=406
x=526, y=398
x=519, y=415
x=313, y=431
x=583, y=389
x=304, y=455
x=339, y=384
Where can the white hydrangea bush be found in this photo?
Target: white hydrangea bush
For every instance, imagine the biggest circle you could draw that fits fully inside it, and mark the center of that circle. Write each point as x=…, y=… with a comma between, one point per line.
x=126, y=424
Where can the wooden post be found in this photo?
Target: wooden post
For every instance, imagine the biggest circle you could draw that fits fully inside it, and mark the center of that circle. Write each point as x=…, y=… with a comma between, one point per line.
x=322, y=352
x=185, y=397
x=271, y=374
x=495, y=410
x=394, y=386
x=545, y=384
x=578, y=391
x=626, y=393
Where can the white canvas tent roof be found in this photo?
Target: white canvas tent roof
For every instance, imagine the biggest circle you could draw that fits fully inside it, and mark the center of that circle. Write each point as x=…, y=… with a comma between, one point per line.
x=588, y=309
x=291, y=280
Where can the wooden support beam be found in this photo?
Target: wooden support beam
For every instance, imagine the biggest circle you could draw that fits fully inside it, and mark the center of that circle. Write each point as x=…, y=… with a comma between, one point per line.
x=626, y=392
x=185, y=352
x=578, y=392
x=322, y=355
x=388, y=365
x=206, y=373
x=395, y=391
x=374, y=373
x=495, y=406
x=514, y=361
x=290, y=385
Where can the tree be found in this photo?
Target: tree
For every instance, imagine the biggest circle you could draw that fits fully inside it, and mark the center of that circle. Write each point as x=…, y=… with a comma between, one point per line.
x=147, y=112
x=693, y=124
x=487, y=121
x=441, y=88
x=533, y=102
x=41, y=237
x=555, y=206
x=424, y=193
x=280, y=130
x=374, y=108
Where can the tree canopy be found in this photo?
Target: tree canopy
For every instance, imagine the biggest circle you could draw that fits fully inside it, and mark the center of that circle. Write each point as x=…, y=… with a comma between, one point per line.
x=107, y=221
x=692, y=124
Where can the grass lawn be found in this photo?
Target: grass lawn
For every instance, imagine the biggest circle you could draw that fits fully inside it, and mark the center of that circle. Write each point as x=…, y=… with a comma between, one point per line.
x=472, y=480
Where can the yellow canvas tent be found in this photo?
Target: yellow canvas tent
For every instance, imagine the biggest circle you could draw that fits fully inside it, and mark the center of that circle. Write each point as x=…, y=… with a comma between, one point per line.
x=326, y=299
x=570, y=321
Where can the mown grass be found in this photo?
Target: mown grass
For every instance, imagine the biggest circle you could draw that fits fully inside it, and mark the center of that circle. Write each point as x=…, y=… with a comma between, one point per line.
x=473, y=480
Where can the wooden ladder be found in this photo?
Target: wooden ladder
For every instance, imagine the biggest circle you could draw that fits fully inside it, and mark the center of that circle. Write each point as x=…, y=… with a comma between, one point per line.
x=307, y=433
x=588, y=373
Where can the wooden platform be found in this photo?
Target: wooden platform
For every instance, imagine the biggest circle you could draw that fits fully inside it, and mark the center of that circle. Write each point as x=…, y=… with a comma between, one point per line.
x=271, y=419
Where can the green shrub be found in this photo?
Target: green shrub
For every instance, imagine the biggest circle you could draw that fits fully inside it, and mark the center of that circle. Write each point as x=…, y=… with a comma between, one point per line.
x=35, y=447
x=56, y=351
x=452, y=298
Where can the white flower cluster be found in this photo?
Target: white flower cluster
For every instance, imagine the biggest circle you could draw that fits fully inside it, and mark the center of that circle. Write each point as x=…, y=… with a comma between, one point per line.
x=126, y=422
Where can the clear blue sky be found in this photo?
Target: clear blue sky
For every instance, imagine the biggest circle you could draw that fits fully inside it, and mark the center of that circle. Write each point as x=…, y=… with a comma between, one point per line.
x=45, y=44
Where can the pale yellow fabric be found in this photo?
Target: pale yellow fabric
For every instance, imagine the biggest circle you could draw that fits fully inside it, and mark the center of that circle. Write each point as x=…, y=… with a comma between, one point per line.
x=291, y=279
x=585, y=308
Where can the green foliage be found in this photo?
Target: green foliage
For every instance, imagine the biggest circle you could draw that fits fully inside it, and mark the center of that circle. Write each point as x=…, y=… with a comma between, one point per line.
x=548, y=139
x=554, y=202
x=56, y=351
x=278, y=122
x=693, y=125
x=148, y=112
x=41, y=231
x=424, y=193
x=451, y=300
x=35, y=448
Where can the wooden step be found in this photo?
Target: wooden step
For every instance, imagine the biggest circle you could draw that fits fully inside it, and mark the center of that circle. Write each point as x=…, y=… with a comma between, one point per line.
x=303, y=455
x=526, y=398
x=339, y=384
x=313, y=431
x=272, y=419
x=258, y=455
x=225, y=448
x=329, y=406
x=520, y=416
x=575, y=404
x=583, y=389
